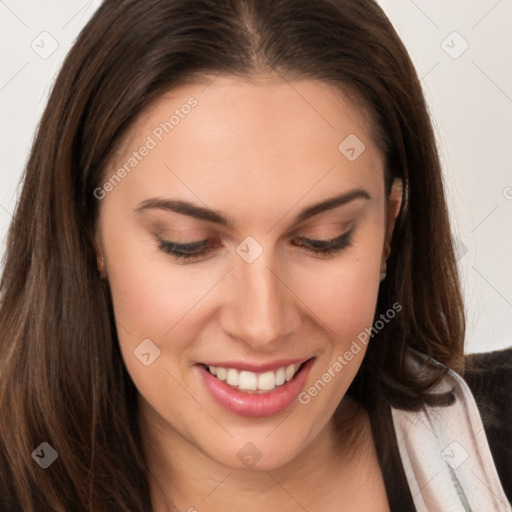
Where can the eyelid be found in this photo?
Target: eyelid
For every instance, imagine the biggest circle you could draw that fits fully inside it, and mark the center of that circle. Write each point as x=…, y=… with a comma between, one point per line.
x=189, y=246
x=194, y=251
x=338, y=227
x=199, y=244
x=323, y=242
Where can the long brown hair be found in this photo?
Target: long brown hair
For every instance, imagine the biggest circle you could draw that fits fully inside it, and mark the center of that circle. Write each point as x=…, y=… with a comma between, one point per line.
x=62, y=378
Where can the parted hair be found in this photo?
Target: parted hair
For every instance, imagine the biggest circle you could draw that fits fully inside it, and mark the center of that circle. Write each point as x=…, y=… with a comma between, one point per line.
x=62, y=377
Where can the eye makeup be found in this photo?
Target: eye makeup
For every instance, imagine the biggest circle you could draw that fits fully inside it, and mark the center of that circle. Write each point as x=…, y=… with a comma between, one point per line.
x=196, y=250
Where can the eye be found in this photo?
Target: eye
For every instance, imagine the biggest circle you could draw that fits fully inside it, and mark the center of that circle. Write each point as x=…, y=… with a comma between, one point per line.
x=325, y=248
x=188, y=251
x=196, y=250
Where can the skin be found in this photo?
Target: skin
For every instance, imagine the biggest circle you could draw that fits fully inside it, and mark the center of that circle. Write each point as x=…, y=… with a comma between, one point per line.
x=259, y=152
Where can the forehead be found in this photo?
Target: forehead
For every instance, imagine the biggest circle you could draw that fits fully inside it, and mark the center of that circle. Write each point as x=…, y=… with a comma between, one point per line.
x=254, y=139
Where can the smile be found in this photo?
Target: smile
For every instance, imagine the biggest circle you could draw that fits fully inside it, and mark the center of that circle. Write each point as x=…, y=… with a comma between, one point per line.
x=255, y=391
x=250, y=381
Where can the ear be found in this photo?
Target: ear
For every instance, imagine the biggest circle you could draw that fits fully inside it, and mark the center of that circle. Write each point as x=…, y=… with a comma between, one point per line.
x=98, y=247
x=393, y=207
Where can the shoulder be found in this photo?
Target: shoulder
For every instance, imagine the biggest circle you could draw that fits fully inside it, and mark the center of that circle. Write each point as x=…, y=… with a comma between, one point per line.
x=489, y=377
x=498, y=362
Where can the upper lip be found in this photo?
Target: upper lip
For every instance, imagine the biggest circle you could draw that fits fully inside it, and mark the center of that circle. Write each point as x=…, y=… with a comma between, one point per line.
x=256, y=367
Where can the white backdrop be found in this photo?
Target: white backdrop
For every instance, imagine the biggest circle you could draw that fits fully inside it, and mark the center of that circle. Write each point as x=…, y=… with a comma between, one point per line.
x=462, y=50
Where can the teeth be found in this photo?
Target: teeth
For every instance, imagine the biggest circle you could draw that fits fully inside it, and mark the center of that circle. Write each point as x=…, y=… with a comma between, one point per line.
x=249, y=381
x=232, y=377
x=267, y=381
x=290, y=372
x=280, y=376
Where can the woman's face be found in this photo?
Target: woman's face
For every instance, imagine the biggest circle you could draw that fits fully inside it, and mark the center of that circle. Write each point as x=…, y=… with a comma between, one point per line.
x=252, y=178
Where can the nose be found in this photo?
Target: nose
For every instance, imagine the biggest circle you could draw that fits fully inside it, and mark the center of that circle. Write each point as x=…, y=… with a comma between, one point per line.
x=262, y=310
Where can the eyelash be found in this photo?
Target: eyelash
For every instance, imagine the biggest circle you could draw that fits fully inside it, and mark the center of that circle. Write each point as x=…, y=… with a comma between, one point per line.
x=196, y=250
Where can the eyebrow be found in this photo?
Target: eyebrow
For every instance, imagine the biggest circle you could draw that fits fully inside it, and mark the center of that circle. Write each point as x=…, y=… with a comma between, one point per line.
x=202, y=213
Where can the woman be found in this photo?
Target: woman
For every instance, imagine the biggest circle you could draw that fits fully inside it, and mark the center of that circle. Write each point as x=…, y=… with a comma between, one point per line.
x=230, y=280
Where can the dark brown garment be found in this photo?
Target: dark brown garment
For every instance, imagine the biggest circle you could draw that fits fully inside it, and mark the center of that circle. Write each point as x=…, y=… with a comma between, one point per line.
x=489, y=376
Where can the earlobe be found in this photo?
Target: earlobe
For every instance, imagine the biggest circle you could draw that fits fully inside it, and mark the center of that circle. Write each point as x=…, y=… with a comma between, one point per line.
x=99, y=256
x=101, y=266
x=394, y=204
x=383, y=271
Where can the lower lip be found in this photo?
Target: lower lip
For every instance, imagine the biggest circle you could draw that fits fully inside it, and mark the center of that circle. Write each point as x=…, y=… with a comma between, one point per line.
x=256, y=404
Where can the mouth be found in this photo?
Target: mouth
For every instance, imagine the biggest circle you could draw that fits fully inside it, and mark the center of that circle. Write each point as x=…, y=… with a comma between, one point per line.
x=252, y=382
x=248, y=390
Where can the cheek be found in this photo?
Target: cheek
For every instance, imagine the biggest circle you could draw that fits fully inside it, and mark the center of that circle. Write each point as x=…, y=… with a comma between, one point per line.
x=344, y=297
x=150, y=297
x=153, y=300
x=344, y=293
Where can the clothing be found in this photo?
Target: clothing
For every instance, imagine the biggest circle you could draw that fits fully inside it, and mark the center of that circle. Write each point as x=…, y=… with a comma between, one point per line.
x=445, y=451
